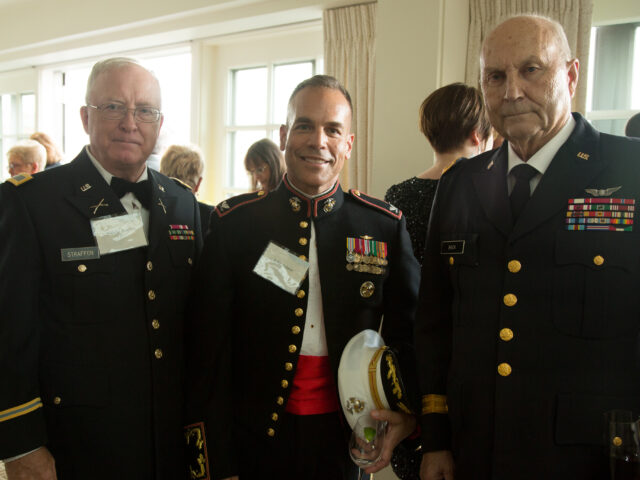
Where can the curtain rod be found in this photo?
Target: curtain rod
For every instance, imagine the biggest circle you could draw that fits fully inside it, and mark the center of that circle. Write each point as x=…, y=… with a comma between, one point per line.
x=354, y=5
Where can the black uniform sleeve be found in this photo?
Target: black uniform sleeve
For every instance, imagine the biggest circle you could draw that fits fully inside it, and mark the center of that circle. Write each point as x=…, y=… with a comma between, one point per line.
x=433, y=333
x=209, y=363
x=22, y=426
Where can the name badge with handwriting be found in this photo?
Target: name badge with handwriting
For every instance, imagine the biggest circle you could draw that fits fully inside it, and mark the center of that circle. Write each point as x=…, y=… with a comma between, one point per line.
x=120, y=232
x=282, y=268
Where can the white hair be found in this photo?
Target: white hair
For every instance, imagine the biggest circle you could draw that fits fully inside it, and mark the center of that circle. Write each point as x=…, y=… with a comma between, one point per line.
x=29, y=151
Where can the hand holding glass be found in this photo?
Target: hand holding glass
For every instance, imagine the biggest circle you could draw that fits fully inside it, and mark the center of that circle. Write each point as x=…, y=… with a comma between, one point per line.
x=367, y=439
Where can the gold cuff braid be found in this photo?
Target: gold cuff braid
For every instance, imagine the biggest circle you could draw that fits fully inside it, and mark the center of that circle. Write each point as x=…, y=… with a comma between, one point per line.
x=434, y=404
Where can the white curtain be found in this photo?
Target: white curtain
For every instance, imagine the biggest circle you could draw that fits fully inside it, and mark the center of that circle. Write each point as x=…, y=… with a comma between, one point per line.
x=573, y=15
x=349, y=55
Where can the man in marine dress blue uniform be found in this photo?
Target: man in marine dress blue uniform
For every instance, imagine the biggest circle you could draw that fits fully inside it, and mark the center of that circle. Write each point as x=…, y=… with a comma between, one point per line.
x=267, y=334
x=95, y=261
x=527, y=329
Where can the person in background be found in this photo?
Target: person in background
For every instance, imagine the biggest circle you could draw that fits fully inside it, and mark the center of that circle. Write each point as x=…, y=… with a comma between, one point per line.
x=27, y=156
x=285, y=281
x=529, y=318
x=54, y=154
x=186, y=164
x=455, y=122
x=632, y=129
x=265, y=164
x=95, y=264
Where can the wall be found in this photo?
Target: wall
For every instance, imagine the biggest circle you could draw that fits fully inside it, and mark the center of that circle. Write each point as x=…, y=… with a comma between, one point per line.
x=421, y=45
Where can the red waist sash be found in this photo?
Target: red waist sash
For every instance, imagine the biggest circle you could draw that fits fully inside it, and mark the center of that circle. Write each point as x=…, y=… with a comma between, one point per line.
x=313, y=391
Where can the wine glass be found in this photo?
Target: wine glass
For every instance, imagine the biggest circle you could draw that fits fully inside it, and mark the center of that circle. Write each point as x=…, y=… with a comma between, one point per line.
x=623, y=444
x=367, y=439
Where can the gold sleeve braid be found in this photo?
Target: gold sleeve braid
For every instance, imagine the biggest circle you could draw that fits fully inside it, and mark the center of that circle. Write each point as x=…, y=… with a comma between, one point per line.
x=434, y=404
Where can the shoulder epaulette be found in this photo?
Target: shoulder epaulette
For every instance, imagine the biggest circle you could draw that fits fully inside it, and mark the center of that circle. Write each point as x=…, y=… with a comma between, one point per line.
x=19, y=179
x=376, y=203
x=230, y=204
x=451, y=165
x=181, y=183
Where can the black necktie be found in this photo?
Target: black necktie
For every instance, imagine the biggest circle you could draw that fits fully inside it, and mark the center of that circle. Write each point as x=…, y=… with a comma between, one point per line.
x=142, y=190
x=521, y=192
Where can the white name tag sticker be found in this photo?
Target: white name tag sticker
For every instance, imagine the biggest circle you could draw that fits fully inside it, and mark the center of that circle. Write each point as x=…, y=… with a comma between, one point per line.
x=117, y=233
x=282, y=268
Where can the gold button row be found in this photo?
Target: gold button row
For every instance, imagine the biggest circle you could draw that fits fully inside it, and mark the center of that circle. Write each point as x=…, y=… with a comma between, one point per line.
x=304, y=224
x=158, y=353
x=151, y=294
x=155, y=324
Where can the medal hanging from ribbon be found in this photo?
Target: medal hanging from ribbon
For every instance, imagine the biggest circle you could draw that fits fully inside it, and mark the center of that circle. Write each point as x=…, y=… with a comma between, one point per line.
x=366, y=255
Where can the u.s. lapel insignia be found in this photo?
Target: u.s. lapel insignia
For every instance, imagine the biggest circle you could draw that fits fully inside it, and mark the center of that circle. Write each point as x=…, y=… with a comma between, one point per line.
x=160, y=204
x=161, y=188
x=490, y=166
x=295, y=204
x=100, y=204
x=328, y=205
x=85, y=187
x=223, y=206
x=393, y=208
x=583, y=156
x=602, y=192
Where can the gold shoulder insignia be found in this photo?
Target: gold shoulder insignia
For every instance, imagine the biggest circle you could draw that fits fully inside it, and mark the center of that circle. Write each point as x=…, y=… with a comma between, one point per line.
x=180, y=182
x=19, y=179
x=230, y=204
x=377, y=204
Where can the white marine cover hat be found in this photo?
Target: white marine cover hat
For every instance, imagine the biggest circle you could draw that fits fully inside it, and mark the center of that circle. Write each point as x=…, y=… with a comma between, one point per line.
x=369, y=378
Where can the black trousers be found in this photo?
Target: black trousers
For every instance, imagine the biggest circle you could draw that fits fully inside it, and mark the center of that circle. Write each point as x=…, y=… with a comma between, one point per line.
x=306, y=447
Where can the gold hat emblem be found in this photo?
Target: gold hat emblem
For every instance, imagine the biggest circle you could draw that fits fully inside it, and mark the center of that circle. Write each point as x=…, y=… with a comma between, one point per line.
x=354, y=405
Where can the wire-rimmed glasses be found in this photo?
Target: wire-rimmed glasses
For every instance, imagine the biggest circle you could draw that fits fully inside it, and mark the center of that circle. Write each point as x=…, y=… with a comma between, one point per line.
x=117, y=111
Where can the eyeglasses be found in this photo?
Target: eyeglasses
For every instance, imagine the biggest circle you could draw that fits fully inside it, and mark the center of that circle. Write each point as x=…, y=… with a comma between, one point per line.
x=117, y=111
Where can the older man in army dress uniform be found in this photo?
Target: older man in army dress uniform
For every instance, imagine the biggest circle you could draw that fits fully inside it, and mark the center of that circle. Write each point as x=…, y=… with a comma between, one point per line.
x=95, y=261
x=287, y=278
x=528, y=325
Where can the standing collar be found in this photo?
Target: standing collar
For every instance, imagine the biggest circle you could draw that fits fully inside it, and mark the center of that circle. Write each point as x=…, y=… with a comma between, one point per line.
x=542, y=158
x=318, y=206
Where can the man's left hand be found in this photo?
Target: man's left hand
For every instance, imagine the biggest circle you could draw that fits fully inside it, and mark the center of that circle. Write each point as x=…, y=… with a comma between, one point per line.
x=400, y=426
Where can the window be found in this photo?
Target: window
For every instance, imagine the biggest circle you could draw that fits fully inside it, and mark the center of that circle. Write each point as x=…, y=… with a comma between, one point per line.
x=614, y=70
x=257, y=108
x=173, y=70
x=17, y=122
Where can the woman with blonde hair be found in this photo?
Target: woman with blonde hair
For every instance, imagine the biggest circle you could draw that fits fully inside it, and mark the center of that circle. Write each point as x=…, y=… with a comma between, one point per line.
x=186, y=164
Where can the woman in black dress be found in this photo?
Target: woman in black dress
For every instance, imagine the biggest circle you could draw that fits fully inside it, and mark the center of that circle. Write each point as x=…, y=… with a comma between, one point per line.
x=454, y=120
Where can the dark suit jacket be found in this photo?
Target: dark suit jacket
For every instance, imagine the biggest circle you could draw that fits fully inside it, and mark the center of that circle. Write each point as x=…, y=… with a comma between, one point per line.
x=93, y=348
x=242, y=334
x=205, y=215
x=574, y=320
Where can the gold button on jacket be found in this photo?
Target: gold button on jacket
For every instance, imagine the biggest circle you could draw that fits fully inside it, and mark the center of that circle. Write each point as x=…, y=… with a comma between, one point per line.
x=504, y=369
x=82, y=268
x=514, y=266
x=510, y=299
x=506, y=334
x=598, y=260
